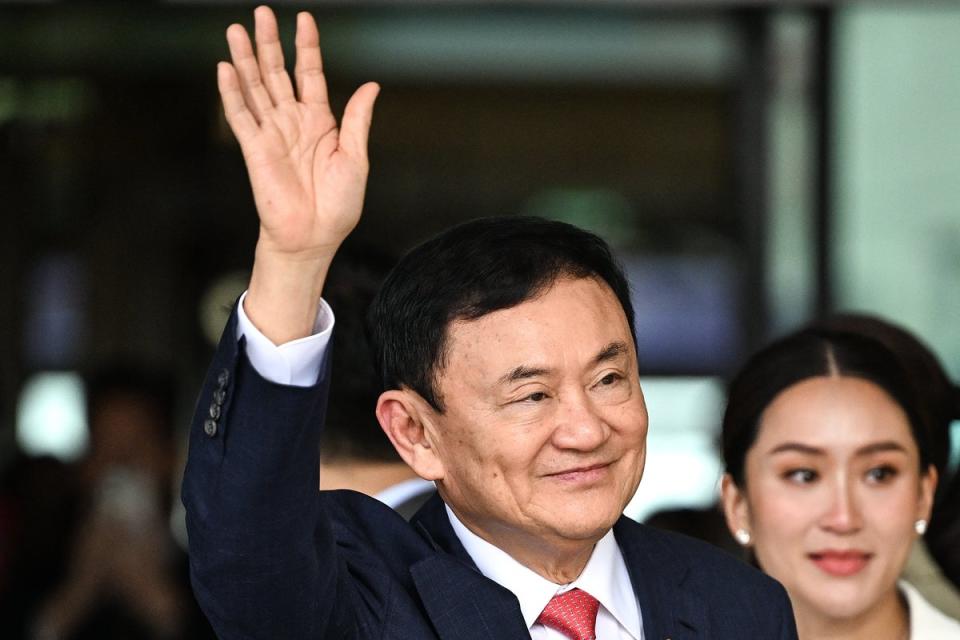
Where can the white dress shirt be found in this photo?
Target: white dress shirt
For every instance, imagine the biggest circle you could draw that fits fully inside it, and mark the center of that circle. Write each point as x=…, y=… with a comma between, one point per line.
x=605, y=576
x=296, y=363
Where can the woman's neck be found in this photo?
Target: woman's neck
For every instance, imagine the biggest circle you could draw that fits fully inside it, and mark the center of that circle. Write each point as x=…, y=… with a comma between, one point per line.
x=888, y=619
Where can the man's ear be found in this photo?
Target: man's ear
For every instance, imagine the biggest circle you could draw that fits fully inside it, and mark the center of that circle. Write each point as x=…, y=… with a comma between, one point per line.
x=403, y=416
x=736, y=509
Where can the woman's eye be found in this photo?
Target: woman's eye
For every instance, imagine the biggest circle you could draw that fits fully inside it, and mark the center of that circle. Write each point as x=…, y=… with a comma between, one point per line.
x=881, y=474
x=801, y=476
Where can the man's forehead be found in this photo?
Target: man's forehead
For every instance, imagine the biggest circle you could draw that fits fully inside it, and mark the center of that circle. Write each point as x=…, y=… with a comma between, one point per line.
x=562, y=283
x=586, y=314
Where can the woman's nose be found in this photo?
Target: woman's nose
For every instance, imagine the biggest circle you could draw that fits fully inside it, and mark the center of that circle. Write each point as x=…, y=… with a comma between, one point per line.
x=843, y=512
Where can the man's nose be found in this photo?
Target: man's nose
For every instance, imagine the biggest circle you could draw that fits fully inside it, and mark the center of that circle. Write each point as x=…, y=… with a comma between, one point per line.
x=842, y=513
x=579, y=424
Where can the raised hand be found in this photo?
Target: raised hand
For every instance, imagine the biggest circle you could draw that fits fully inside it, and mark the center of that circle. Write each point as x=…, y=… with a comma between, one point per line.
x=308, y=176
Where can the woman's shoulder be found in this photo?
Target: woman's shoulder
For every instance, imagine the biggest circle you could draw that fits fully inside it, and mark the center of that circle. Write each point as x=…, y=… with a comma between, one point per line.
x=926, y=621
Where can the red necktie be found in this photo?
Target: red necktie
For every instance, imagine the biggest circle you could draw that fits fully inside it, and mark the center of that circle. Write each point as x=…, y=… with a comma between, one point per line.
x=572, y=613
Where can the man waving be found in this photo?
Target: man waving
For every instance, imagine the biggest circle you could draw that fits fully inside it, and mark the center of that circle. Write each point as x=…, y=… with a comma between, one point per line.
x=508, y=359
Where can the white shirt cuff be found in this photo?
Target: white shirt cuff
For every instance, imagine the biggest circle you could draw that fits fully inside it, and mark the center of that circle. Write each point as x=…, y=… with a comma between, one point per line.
x=296, y=363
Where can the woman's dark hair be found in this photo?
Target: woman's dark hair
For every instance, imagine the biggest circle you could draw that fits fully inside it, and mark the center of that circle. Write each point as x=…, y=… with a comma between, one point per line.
x=809, y=353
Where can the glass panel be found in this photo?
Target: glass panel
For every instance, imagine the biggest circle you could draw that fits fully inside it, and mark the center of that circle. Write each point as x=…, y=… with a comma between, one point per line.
x=683, y=463
x=897, y=241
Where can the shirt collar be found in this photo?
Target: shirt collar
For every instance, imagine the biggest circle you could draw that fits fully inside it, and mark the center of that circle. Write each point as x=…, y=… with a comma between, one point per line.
x=604, y=577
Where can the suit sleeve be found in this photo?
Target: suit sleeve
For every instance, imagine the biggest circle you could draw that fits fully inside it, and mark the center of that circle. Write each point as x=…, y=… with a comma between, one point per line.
x=788, y=625
x=263, y=561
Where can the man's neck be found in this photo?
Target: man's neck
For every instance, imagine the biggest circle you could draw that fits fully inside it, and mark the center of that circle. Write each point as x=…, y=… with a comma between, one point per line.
x=604, y=576
x=559, y=563
x=365, y=476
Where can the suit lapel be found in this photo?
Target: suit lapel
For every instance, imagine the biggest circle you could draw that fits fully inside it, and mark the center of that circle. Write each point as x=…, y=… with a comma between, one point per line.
x=668, y=609
x=465, y=605
x=462, y=604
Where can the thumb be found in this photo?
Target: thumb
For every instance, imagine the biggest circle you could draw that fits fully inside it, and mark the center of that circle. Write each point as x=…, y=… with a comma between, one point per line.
x=357, y=116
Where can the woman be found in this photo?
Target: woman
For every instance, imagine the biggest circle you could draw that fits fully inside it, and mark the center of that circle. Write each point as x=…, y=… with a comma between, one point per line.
x=934, y=567
x=829, y=481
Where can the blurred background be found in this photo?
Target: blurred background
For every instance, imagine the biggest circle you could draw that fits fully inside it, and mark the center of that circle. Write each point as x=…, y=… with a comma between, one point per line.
x=755, y=165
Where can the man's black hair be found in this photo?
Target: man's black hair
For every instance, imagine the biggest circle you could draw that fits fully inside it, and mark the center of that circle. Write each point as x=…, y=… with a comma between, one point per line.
x=467, y=272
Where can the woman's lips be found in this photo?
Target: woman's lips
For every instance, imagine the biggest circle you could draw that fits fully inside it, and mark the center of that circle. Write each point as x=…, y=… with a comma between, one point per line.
x=840, y=563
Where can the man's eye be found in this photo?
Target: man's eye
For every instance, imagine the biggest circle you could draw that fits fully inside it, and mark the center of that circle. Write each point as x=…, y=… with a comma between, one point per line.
x=610, y=378
x=536, y=397
x=801, y=476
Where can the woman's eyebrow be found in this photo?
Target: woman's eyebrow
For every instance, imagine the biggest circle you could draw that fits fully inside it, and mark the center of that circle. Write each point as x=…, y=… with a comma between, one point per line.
x=798, y=448
x=875, y=447
x=879, y=447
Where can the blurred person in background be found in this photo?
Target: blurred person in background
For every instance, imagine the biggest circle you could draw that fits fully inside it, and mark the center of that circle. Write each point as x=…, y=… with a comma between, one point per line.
x=354, y=452
x=829, y=481
x=707, y=524
x=122, y=575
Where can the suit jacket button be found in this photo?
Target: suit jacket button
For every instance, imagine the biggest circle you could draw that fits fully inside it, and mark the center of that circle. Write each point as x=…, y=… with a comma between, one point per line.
x=214, y=411
x=210, y=427
x=219, y=396
x=223, y=378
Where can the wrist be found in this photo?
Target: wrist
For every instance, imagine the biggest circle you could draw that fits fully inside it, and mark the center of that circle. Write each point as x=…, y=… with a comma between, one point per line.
x=285, y=292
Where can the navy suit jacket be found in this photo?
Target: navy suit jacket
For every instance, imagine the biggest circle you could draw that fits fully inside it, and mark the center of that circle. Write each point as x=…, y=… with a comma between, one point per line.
x=273, y=557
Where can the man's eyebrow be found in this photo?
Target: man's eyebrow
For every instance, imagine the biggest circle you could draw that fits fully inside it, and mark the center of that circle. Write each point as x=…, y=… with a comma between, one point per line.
x=522, y=373
x=611, y=351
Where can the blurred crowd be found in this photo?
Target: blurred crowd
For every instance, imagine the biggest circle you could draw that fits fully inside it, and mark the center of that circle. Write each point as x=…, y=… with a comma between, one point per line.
x=86, y=548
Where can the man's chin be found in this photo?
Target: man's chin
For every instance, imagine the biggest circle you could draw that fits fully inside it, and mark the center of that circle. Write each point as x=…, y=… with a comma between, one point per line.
x=584, y=526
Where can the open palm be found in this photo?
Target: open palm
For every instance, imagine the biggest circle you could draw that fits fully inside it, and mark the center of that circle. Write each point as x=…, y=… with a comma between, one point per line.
x=308, y=176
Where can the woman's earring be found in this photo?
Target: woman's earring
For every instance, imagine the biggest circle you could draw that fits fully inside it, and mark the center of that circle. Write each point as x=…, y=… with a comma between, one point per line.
x=920, y=526
x=743, y=536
